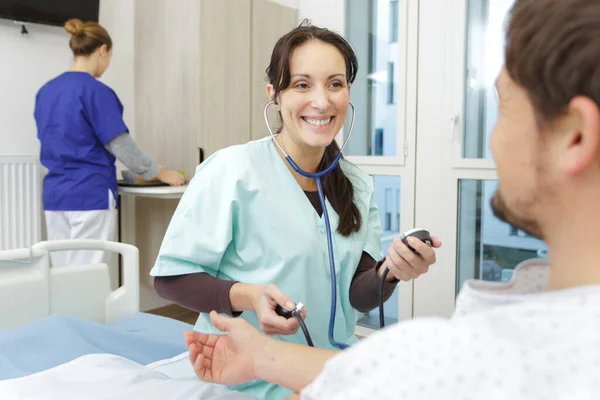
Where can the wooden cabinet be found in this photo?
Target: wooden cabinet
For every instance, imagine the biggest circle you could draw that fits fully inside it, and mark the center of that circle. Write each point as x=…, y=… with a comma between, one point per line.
x=226, y=50
x=200, y=74
x=167, y=82
x=199, y=83
x=270, y=21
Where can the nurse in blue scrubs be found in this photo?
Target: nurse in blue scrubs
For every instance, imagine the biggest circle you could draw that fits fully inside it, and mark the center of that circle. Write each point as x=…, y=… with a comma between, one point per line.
x=249, y=232
x=81, y=131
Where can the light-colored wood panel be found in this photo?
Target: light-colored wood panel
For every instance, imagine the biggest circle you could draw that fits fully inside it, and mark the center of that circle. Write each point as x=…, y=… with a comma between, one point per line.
x=224, y=74
x=167, y=91
x=270, y=21
x=152, y=218
x=167, y=88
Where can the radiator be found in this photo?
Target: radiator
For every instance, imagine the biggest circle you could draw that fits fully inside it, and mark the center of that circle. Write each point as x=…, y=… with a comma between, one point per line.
x=20, y=205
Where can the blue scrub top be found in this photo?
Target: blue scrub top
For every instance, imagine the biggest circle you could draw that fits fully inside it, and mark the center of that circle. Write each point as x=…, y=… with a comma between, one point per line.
x=244, y=217
x=76, y=116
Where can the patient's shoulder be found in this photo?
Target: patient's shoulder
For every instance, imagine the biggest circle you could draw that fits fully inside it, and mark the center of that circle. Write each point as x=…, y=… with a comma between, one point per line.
x=373, y=366
x=494, y=350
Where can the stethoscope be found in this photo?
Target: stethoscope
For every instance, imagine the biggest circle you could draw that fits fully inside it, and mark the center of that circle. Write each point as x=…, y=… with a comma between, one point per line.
x=317, y=177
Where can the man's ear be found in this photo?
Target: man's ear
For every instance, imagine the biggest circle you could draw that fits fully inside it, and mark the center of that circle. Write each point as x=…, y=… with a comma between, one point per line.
x=581, y=145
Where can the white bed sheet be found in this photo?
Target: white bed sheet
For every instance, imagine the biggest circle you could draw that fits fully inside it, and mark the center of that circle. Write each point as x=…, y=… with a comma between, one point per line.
x=105, y=376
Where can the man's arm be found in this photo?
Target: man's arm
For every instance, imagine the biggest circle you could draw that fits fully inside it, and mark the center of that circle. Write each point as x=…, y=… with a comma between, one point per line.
x=290, y=365
x=243, y=354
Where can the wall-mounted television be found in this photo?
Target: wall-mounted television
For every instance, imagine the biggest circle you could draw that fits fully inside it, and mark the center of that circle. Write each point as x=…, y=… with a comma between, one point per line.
x=49, y=12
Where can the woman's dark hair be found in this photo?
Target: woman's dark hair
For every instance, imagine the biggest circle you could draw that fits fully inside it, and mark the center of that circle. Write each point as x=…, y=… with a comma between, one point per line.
x=86, y=37
x=336, y=185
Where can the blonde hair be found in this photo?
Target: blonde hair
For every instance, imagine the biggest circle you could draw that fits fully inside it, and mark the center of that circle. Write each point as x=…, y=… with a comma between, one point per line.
x=86, y=37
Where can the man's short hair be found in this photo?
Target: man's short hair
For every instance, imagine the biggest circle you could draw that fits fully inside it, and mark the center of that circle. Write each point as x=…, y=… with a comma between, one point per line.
x=553, y=52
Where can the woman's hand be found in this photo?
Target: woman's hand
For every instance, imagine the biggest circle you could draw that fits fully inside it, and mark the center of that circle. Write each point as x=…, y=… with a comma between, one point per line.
x=404, y=264
x=225, y=359
x=264, y=302
x=173, y=178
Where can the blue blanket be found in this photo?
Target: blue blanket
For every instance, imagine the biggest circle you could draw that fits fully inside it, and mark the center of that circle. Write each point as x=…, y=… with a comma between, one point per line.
x=54, y=340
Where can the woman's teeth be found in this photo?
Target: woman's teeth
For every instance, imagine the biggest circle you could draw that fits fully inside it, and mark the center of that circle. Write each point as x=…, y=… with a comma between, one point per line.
x=318, y=122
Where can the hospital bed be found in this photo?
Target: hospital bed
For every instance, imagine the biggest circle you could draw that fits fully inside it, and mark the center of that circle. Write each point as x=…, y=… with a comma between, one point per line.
x=30, y=289
x=54, y=319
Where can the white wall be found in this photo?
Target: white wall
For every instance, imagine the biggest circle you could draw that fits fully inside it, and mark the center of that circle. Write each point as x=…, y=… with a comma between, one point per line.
x=27, y=62
x=117, y=17
x=324, y=13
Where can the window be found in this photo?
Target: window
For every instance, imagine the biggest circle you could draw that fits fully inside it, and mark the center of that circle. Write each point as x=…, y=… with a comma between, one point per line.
x=393, y=21
x=369, y=31
x=519, y=233
x=385, y=186
x=379, y=142
x=484, y=60
x=397, y=209
x=388, y=209
x=390, y=82
x=488, y=248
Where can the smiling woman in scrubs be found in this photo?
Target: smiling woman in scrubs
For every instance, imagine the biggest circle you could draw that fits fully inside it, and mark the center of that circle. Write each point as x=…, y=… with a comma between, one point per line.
x=81, y=131
x=249, y=234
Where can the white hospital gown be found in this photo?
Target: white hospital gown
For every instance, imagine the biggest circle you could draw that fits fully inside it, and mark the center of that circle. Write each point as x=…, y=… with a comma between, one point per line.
x=505, y=341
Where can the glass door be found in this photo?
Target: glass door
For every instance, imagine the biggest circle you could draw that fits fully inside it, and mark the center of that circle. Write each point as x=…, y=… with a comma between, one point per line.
x=461, y=47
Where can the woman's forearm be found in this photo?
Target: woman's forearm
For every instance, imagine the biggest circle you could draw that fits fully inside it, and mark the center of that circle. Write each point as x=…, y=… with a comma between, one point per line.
x=242, y=295
x=290, y=365
x=199, y=292
x=381, y=270
x=364, y=288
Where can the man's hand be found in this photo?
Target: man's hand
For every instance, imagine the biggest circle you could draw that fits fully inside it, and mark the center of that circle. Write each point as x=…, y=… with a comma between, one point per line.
x=225, y=359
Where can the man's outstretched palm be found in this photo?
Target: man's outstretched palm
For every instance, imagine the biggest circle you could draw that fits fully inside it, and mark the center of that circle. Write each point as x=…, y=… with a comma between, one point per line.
x=224, y=359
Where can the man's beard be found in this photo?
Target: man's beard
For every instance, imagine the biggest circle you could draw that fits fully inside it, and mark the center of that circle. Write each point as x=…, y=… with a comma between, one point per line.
x=502, y=212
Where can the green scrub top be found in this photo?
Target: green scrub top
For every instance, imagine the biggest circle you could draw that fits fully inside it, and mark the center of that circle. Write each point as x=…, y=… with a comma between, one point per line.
x=245, y=218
